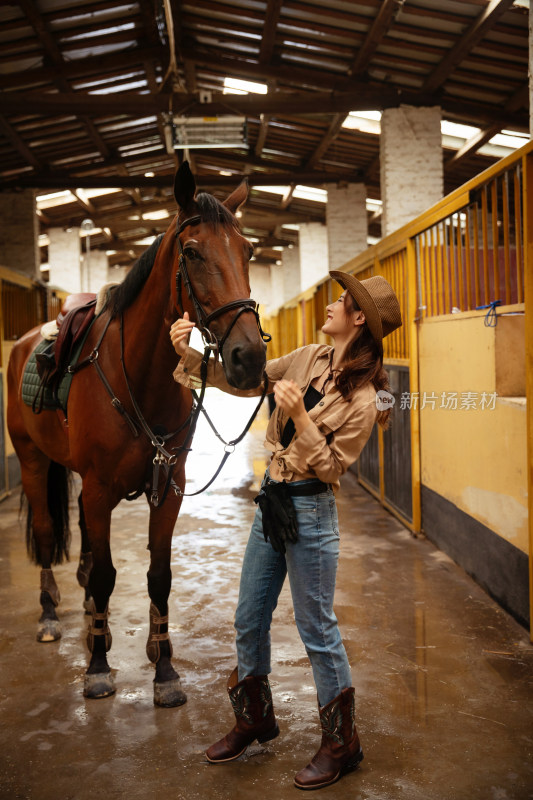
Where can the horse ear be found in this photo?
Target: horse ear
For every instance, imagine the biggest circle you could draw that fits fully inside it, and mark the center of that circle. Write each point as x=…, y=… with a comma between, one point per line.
x=237, y=197
x=184, y=186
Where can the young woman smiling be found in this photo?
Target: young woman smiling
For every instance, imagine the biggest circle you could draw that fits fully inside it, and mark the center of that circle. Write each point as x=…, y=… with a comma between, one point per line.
x=325, y=411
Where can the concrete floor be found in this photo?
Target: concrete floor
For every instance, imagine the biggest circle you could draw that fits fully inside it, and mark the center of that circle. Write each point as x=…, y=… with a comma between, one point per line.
x=443, y=676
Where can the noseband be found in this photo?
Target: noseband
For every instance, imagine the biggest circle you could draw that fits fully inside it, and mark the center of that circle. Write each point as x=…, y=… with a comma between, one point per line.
x=203, y=320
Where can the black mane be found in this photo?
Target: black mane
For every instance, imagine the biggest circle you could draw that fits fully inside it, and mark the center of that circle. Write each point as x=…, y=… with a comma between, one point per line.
x=124, y=295
x=211, y=211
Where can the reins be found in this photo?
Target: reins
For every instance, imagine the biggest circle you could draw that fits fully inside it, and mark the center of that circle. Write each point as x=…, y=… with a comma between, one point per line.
x=164, y=458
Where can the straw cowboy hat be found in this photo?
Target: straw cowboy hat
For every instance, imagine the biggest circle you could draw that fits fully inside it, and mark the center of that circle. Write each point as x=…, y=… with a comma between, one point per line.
x=376, y=299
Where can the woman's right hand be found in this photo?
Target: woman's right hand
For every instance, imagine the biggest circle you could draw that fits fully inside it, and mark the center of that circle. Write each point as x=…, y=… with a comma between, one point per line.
x=180, y=332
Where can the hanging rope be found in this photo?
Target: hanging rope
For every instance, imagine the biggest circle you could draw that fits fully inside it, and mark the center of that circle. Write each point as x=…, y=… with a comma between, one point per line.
x=491, y=318
x=172, y=70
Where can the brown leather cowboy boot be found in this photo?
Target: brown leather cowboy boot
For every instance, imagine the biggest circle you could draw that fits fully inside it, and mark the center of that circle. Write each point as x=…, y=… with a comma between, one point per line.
x=254, y=714
x=340, y=751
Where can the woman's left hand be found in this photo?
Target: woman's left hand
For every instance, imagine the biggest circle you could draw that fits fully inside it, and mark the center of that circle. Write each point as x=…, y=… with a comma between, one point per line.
x=289, y=398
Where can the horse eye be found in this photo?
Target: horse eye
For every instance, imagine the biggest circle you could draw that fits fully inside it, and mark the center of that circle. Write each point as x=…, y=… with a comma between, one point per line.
x=191, y=253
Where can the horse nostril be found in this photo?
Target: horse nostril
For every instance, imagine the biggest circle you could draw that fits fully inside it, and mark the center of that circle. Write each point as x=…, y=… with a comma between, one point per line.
x=236, y=358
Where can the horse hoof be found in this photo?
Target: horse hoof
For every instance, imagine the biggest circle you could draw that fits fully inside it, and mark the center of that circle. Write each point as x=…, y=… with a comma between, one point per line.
x=49, y=631
x=101, y=684
x=169, y=694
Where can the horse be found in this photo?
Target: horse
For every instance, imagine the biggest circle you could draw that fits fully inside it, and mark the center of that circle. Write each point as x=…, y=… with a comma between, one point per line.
x=126, y=366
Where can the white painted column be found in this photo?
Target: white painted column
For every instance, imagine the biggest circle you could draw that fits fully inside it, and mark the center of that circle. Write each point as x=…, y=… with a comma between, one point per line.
x=411, y=163
x=347, y=223
x=291, y=273
x=314, y=260
x=277, y=297
x=19, y=232
x=64, y=259
x=94, y=270
x=260, y=284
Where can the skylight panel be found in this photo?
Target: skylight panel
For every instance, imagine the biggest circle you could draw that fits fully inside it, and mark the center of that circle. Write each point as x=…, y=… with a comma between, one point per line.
x=237, y=86
x=448, y=128
x=510, y=139
x=55, y=199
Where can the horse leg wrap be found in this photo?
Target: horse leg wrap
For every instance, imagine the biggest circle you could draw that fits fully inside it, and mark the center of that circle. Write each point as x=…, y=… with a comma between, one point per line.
x=153, y=649
x=84, y=569
x=48, y=584
x=103, y=631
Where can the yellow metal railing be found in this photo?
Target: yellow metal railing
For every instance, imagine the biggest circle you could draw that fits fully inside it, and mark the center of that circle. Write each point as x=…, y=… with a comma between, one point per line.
x=472, y=248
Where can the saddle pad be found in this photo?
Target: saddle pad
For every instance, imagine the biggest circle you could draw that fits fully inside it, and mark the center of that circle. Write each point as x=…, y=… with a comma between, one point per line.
x=31, y=380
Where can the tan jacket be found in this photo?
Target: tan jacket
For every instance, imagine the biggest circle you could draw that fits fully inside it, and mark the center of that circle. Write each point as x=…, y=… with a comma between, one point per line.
x=338, y=431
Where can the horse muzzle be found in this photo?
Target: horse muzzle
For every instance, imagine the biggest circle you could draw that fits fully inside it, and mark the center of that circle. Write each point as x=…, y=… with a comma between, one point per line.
x=244, y=365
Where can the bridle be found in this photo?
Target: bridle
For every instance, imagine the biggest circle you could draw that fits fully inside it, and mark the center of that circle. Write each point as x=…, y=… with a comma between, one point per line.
x=164, y=457
x=203, y=320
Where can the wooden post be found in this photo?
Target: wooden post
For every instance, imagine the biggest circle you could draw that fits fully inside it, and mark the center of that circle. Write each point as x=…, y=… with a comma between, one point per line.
x=527, y=163
x=412, y=322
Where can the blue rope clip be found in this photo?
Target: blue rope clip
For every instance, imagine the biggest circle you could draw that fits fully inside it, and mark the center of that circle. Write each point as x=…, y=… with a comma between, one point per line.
x=491, y=317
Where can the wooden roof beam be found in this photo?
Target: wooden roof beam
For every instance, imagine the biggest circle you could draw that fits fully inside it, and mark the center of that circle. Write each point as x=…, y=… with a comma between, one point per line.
x=333, y=131
x=268, y=38
x=472, y=145
x=75, y=70
x=19, y=144
x=517, y=100
x=379, y=28
x=52, y=50
x=55, y=181
x=286, y=200
x=472, y=35
x=262, y=135
x=280, y=103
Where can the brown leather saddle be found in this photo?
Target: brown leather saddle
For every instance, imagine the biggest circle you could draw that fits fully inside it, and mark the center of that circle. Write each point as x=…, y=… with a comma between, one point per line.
x=73, y=322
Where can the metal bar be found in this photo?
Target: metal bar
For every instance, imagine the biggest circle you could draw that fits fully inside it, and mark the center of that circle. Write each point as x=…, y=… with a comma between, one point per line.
x=453, y=288
x=518, y=232
x=485, y=235
x=433, y=256
x=427, y=268
x=405, y=278
x=476, y=254
x=460, y=264
x=506, y=238
x=468, y=262
x=445, y=269
x=495, y=238
x=439, y=272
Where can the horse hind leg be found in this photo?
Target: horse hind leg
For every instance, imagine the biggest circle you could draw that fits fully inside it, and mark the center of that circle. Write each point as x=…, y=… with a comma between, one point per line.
x=98, y=681
x=86, y=558
x=46, y=486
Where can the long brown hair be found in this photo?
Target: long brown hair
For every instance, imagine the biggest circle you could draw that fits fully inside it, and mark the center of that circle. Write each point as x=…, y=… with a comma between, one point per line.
x=363, y=364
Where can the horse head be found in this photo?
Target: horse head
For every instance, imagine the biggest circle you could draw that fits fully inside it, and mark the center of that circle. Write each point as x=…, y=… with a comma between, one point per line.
x=212, y=281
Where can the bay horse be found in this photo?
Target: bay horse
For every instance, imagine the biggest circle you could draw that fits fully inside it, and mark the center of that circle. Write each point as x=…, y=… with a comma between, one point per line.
x=117, y=454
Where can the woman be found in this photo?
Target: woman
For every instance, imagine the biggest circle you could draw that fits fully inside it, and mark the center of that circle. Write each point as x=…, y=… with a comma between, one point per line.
x=325, y=411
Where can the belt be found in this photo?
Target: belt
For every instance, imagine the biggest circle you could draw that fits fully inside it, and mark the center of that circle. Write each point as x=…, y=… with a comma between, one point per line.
x=306, y=489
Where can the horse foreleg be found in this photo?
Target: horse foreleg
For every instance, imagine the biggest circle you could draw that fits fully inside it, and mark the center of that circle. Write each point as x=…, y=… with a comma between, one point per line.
x=167, y=685
x=86, y=558
x=98, y=678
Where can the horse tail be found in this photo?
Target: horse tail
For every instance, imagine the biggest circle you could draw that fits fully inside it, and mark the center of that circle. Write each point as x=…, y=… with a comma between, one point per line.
x=58, y=495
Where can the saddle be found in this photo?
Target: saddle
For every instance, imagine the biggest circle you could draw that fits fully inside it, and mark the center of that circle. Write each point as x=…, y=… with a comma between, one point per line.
x=73, y=322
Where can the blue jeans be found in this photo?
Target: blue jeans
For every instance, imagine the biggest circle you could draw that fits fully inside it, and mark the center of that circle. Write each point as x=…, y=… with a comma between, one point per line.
x=311, y=564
